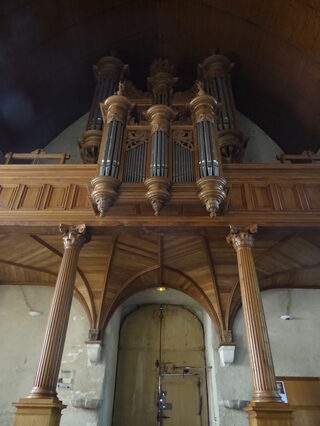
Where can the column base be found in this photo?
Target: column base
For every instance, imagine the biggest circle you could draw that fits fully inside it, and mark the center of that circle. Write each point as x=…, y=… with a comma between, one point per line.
x=38, y=412
x=269, y=414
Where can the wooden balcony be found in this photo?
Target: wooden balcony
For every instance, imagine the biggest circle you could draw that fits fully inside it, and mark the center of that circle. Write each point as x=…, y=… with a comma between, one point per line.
x=267, y=194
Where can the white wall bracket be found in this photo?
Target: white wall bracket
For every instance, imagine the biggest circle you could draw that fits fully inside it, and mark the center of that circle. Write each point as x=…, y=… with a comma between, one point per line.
x=226, y=353
x=94, y=351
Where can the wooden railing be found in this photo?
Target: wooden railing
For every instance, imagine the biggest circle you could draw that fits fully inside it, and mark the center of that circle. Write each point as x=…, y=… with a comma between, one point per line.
x=37, y=156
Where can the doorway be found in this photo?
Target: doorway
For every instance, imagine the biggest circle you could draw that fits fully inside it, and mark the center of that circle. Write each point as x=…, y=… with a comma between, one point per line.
x=161, y=371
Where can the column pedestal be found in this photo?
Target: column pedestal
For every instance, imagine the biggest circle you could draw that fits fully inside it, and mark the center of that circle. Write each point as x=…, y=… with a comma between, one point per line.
x=269, y=414
x=38, y=412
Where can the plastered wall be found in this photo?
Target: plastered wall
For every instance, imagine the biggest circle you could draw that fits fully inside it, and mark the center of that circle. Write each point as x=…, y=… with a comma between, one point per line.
x=295, y=347
x=22, y=336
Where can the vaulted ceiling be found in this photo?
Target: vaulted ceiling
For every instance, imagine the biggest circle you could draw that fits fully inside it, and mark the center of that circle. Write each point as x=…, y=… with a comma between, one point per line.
x=117, y=264
x=47, y=49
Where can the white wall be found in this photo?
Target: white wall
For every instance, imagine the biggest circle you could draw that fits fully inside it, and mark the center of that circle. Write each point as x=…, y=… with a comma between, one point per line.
x=260, y=147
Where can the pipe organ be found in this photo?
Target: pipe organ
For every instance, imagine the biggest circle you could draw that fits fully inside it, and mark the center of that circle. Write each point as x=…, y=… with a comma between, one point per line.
x=161, y=138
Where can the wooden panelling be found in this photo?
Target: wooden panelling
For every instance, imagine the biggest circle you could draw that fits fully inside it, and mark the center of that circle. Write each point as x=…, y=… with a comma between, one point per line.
x=56, y=197
x=289, y=196
x=304, y=398
x=262, y=197
x=237, y=198
x=80, y=200
x=7, y=196
x=313, y=196
x=30, y=197
x=273, y=194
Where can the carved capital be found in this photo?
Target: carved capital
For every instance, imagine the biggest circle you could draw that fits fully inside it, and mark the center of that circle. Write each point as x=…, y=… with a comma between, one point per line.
x=74, y=236
x=227, y=336
x=241, y=237
x=204, y=107
x=95, y=334
x=116, y=108
x=160, y=117
x=109, y=67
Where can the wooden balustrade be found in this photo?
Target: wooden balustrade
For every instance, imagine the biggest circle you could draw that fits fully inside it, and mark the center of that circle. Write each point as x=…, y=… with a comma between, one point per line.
x=271, y=194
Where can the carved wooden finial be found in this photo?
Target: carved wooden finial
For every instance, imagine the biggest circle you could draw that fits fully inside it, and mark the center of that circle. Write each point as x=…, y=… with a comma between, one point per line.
x=121, y=88
x=200, y=86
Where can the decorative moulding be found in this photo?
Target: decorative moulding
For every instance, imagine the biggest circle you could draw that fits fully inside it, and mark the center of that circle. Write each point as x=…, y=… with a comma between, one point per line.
x=226, y=354
x=158, y=192
x=212, y=193
x=104, y=191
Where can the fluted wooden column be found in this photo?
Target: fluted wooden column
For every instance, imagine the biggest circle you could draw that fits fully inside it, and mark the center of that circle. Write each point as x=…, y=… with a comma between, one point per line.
x=42, y=406
x=266, y=401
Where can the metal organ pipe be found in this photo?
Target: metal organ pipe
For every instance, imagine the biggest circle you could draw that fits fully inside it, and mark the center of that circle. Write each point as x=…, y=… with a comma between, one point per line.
x=115, y=113
x=160, y=117
x=204, y=108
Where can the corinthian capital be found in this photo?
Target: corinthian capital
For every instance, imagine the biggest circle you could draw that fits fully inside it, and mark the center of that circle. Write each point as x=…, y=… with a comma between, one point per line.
x=241, y=236
x=74, y=236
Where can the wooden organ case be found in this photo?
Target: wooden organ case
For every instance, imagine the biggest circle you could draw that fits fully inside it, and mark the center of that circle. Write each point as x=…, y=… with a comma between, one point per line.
x=162, y=137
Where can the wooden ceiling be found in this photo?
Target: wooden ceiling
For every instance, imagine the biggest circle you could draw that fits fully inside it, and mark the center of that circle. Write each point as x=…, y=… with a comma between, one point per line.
x=116, y=265
x=47, y=49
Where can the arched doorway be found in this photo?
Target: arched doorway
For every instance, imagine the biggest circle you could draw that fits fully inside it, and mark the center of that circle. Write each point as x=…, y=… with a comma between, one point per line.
x=161, y=372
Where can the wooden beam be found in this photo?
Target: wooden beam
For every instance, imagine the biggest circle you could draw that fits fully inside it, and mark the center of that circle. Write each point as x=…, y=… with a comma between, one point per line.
x=216, y=292
x=105, y=281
